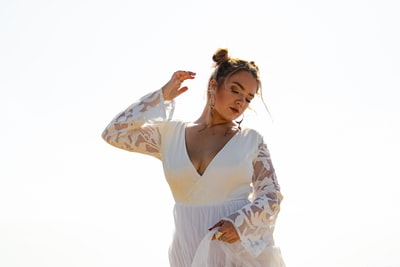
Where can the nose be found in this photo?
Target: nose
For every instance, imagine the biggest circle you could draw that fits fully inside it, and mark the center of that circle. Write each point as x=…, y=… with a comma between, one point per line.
x=240, y=99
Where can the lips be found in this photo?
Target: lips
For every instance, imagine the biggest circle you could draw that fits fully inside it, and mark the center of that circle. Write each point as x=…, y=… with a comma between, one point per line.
x=234, y=110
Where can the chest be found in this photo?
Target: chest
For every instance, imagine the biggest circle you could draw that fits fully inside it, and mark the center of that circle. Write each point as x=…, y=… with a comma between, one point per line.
x=227, y=175
x=203, y=147
x=186, y=160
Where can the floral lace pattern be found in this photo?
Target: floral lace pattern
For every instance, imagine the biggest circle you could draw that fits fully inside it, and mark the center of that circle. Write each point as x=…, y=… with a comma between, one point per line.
x=139, y=129
x=255, y=222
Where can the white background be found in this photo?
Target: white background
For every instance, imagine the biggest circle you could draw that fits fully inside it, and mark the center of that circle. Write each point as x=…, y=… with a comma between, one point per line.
x=330, y=73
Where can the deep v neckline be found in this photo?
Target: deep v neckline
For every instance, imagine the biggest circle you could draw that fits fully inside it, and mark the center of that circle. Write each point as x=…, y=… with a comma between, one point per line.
x=214, y=158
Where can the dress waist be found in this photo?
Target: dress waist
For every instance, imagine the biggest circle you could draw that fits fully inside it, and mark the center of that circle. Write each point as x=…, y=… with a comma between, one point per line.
x=202, y=217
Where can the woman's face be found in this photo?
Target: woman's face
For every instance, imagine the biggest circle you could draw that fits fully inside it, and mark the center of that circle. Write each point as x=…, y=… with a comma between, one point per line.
x=234, y=95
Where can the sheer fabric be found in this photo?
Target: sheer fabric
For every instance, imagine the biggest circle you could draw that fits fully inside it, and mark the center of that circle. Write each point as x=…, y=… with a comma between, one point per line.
x=238, y=185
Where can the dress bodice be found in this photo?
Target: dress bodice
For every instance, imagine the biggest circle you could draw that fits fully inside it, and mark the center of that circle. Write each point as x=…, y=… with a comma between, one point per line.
x=227, y=177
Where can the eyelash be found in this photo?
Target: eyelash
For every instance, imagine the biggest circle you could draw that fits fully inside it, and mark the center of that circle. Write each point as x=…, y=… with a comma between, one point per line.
x=237, y=92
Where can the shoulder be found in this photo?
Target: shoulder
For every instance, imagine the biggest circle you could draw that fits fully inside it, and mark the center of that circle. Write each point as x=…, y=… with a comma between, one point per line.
x=252, y=134
x=255, y=141
x=171, y=127
x=175, y=123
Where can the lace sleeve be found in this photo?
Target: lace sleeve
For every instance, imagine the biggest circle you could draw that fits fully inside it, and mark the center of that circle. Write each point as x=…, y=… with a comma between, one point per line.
x=255, y=222
x=137, y=128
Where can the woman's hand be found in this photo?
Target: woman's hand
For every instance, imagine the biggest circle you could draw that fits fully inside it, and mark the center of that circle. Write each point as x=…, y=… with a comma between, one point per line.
x=226, y=232
x=173, y=87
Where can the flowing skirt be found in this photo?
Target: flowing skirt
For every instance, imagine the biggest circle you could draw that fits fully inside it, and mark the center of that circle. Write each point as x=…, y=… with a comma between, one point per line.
x=192, y=245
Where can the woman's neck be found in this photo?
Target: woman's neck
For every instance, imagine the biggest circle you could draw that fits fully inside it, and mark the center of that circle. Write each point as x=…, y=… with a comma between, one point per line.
x=212, y=119
x=215, y=123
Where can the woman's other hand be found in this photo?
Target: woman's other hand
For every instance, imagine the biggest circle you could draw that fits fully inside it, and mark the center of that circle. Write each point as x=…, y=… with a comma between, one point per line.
x=226, y=232
x=173, y=87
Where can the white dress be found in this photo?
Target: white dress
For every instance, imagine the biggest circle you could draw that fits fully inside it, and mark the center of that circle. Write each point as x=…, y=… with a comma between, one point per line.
x=238, y=185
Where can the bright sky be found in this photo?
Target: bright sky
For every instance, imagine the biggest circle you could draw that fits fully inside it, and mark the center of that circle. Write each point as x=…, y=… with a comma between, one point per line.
x=330, y=72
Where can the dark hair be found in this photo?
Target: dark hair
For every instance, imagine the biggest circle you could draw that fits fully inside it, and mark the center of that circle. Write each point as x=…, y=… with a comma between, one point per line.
x=225, y=66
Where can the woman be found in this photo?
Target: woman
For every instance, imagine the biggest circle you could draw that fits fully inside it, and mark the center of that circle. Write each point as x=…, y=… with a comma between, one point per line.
x=221, y=176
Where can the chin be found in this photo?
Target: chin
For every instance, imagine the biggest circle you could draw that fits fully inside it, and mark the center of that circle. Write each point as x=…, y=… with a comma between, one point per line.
x=237, y=117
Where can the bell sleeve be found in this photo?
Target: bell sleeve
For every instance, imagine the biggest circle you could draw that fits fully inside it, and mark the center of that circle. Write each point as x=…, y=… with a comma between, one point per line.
x=255, y=222
x=138, y=128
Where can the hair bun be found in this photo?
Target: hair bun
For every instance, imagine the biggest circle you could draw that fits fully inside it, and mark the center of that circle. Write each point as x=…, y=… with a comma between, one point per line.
x=220, y=56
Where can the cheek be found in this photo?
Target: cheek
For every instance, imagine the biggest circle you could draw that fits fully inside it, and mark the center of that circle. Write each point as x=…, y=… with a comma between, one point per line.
x=223, y=97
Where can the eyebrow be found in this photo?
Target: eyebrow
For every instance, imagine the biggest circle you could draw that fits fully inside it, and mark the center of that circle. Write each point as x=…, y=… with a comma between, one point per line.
x=241, y=87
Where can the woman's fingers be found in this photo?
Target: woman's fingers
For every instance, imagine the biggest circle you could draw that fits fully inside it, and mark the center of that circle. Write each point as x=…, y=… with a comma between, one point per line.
x=173, y=87
x=226, y=232
x=218, y=224
x=181, y=75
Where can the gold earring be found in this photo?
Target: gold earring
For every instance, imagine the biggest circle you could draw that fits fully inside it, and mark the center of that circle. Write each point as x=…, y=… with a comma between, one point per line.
x=212, y=105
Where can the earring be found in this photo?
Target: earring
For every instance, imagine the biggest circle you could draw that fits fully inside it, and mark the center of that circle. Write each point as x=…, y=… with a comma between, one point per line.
x=239, y=122
x=211, y=106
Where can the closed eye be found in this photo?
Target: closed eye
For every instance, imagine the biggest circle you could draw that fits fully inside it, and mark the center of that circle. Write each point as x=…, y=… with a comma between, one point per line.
x=236, y=91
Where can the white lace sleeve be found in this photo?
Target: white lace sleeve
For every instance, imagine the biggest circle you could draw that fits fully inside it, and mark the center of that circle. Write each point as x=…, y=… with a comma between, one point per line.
x=137, y=128
x=255, y=222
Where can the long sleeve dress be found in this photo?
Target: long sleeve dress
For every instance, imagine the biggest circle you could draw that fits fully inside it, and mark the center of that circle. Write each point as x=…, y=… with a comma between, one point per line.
x=239, y=185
